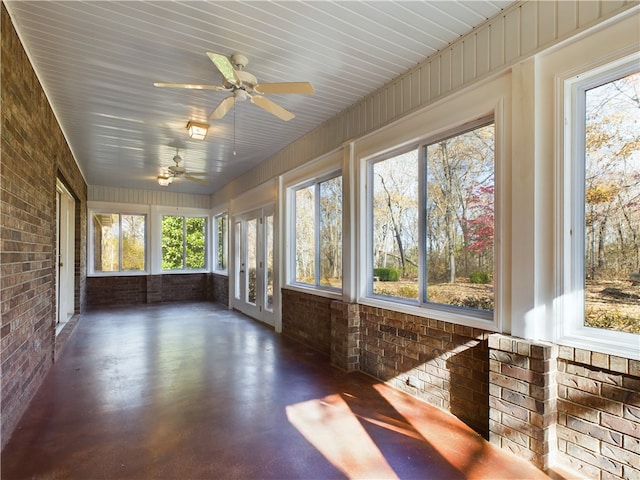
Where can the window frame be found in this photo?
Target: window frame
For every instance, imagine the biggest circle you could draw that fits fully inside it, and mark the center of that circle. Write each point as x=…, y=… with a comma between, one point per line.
x=118, y=209
x=441, y=311
x=207, y=247
x=569, y=311
x=292, y=190
x=225, y=244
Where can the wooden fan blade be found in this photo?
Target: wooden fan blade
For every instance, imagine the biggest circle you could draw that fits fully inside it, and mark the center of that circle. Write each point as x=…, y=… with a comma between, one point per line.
x=226, y=68
x=285, y=87
x=223, y=107
x=198, y=174
x=197, y=180
x=194, y=86
x=272, y=107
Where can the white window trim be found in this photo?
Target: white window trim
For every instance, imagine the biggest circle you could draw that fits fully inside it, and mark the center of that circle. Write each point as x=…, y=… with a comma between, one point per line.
x=315, y=183
x=569, y=304
x=214, y=230
x=121, y=209
x=491, y=321
x=325, y=167
x=157, y=212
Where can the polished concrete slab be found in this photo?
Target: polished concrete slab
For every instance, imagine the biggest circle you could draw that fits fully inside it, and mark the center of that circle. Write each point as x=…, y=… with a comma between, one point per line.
x=194, y=391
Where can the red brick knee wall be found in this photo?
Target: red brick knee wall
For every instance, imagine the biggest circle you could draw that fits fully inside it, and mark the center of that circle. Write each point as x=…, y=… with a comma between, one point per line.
x=113, y=291
x=34, y=155
x=142, y=289
x=598, y=431
x=307, y=319
x=563, y=406
x=444, y=364
x=219, y=288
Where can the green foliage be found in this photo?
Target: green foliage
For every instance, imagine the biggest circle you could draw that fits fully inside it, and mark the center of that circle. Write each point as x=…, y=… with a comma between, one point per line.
x=172, y=234
x=386, y=274
x=195, y=247
x=178, y=254
x=479, y=277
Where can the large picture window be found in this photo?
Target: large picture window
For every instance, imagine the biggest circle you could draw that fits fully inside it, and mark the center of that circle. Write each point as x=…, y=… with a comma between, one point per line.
x=601, y=259
x=611, y=225
x=184, y=242
x=600, y=240
x=432, y=221
x=119, y=242
x=318, y=233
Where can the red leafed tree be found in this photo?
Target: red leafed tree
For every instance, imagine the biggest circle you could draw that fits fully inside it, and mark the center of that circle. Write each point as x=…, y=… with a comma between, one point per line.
x=480, y=226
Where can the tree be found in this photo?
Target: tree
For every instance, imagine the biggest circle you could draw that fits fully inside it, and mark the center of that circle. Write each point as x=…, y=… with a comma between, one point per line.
x=612, y=179
x=395, y=213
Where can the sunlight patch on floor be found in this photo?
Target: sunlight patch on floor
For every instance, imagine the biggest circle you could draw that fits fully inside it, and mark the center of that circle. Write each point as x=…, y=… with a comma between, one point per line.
x=332, y=428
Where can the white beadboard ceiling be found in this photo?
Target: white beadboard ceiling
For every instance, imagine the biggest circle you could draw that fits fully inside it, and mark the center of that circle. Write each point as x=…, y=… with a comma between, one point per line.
x=98, y=60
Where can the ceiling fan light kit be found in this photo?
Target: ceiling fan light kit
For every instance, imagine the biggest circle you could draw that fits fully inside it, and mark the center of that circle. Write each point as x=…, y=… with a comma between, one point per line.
x=197, y=131
x=164, y=180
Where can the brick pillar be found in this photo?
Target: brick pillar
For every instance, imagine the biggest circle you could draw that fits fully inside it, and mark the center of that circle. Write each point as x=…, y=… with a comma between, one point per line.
x=345, y=335
x=154, y=288
x=522, y=397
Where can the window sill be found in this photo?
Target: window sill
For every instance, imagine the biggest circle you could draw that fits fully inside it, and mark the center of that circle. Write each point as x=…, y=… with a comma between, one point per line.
x=445, y=315
x=333, y=294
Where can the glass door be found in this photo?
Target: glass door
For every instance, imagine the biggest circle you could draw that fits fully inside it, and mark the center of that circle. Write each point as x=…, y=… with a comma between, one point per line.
x=253, y=264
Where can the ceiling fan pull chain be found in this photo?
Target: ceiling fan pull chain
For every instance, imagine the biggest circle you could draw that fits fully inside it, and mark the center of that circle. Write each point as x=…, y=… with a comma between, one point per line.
x=234, y=130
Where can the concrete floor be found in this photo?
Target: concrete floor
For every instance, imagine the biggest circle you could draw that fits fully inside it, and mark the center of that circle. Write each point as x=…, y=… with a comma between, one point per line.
x=194, y=391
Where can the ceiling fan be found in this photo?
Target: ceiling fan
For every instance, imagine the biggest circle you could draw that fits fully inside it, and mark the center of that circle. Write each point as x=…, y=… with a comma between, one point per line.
x=243, y=85
x=177, y=171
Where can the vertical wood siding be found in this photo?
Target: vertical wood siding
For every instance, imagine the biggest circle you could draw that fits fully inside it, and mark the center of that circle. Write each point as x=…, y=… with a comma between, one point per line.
x=517, y=33
x=98, y=193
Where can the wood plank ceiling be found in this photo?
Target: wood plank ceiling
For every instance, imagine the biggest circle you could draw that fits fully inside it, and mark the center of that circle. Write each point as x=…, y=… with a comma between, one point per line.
x=98, y=60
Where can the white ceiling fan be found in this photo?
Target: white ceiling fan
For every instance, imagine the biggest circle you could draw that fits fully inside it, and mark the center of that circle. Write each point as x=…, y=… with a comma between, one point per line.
x=243, y=85
x=177, y=171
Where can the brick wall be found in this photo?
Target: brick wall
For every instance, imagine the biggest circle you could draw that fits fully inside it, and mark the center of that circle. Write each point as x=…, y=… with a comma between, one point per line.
x=444, y=364
x=307, y=319
x=523, y=398
x=142, y=289
x=118, y=290
x=599, y=414
x=345, y=335
x=184, y=287
x=34, y=155
x=219, y=288
x=565, y=407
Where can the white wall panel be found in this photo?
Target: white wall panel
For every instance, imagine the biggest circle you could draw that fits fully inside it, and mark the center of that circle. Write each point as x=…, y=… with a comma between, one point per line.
x=469, y=59
x=416, y=85
x=398, y=88
x=445, y=72
x=497, y=43
x=529, y=28
x=588, y=12
x=512, y=35
x=457, y=65
x=611, y=6
x=425, y=87
x=97, y=193
x=482, y=51
x=434, y=75
x=547, y=29
x=504, y=40
x=567, y=19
